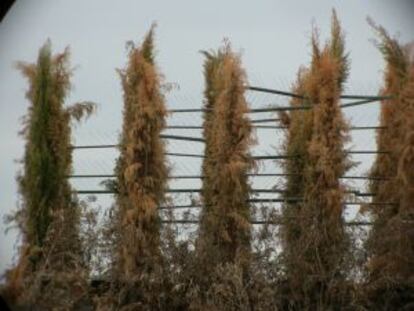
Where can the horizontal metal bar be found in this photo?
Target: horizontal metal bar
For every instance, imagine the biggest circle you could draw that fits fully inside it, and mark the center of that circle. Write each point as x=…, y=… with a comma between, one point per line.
x=249, y=175
x=180, y=206
x=176, y=137
x=92, y=176
x=178, y=176
x=177, y=191
x=194, y=127
x=278, y=200
x=188, y=155
x=366, y=177
x=376, y=97
x=264, y=120
x=273, y=91
x=95, y=147
x=371, y=203
x=367, y=152
x=259, y=222
x=277, y=127
x=187, y=110
x=358, y=128
x=280, y=108
x=358, y=103
x=94, y=192
x=275, y=157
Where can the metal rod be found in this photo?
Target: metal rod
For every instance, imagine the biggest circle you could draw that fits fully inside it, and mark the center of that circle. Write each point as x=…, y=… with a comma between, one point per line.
x=367, y=152
x=249, y=175
x=188, y=155
x=259, y=222
x=265, y=120
x=91, y=176
x=276, y=157
x=95, y=147
x=358, y=103
x=276, y=127
x=366, y=177
x=183, y=127
x=176, y=137
x=273, y=91
x=270, y=127
x=358, y=128
x=187, y=110
x=279, y=108
x=177, y=191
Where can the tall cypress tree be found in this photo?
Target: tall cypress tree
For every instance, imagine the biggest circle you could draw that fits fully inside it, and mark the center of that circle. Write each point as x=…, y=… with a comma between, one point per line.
x=49, y=216
x=142, y=172
x=224, y=235
x=390, y=243
x=314, y=237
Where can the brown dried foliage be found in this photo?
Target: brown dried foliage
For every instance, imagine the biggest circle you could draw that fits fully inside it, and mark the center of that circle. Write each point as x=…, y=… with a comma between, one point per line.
x=142, y=178
x=224, y=234
x=313, y=234
x=390, y=246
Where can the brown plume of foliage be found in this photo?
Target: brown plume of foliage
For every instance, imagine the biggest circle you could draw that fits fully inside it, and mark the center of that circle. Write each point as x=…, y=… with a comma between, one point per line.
x=313, y=234
x=50, y=272
x=390, y=246
x=142, y=179
x=224, y=234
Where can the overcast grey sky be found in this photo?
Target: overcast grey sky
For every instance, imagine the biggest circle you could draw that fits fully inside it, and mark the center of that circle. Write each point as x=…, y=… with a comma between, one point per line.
x=273, y=37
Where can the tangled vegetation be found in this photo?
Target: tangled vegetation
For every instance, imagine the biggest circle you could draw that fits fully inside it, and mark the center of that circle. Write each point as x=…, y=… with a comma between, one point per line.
x=141, y=179
x=314, y=238
x=224, y=235
x=390, y=247
x=307, y=262
x=51, y=269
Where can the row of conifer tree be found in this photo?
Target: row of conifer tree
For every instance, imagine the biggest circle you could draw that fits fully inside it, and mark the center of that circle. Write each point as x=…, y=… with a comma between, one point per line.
x=222, y=270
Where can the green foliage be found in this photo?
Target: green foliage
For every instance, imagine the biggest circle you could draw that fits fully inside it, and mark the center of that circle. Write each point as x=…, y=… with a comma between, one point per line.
x=49, y=215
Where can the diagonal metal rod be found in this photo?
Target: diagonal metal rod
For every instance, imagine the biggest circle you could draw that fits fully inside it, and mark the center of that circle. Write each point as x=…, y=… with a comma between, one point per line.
x=289, y=94
x=358, y=103
x=173, y=137
x=285, y=107
x=272, y=91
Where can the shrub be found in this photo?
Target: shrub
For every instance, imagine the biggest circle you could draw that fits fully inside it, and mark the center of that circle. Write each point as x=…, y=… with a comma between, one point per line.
x=50, y=272
x=390, y=252
x=141, y=181
x=313, y=234
x=224, y=234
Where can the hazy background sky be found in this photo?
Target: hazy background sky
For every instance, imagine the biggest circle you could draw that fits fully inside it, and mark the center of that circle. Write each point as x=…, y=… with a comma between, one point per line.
x=273, y=37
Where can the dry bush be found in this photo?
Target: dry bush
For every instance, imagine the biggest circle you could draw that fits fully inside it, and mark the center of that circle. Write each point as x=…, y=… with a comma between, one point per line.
x=224, y=234
x=390, y=247
x=315, y=244
x=50, y=272
x=141, y=182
